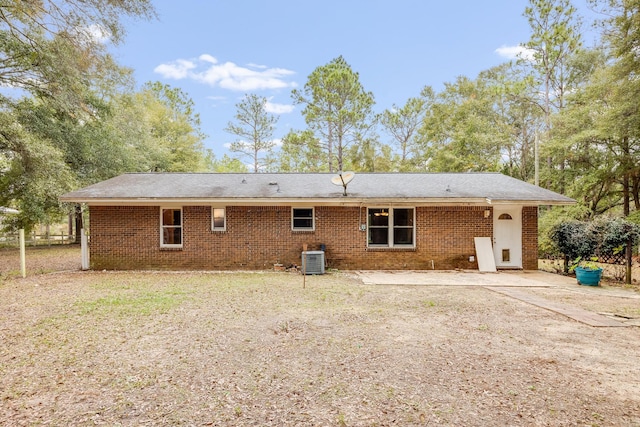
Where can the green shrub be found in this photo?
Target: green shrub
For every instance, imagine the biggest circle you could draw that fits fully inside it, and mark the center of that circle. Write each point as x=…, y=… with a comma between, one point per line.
x=549, y=218
x=604, y=236
x=613, y=234
x=574, y=239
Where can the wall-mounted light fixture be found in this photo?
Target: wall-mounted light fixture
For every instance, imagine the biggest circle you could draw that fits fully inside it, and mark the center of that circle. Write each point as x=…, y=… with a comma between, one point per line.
x=487, y=213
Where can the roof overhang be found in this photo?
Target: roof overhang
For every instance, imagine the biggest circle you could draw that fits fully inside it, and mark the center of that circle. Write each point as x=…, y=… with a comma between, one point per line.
x=528, y=202
x=343, y=201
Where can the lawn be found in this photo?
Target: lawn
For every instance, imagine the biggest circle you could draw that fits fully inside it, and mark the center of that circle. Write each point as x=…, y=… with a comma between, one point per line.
x=151, y=348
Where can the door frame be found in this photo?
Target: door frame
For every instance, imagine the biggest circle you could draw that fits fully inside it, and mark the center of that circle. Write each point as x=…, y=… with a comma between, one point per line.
x=507, y=236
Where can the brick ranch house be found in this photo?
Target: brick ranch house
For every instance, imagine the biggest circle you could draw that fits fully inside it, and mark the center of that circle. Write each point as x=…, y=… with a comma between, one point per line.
x=215, y=221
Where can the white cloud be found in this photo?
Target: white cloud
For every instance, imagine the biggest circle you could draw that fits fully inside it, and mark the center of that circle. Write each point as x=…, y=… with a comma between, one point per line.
x=207, y=69
x=208, y=58
x=233, y=77
x=515, y=52
x=271, y=107
x=178, y=70
x=93, y=33
x=98, y=33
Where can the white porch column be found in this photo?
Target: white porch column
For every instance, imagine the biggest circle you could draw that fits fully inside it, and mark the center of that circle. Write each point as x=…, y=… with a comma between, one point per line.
x=84, y=248
x=23, y=256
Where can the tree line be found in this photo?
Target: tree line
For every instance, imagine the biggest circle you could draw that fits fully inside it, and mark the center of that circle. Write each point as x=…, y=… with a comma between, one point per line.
x=563, y=116
x=69, y=114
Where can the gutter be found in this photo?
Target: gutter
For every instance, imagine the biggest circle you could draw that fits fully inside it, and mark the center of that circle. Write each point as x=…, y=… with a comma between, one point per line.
x=567, y=202
x=339, y=201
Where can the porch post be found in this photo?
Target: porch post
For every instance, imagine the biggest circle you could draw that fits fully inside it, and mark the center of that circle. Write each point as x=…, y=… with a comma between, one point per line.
x=84, y=248
x=23, y=257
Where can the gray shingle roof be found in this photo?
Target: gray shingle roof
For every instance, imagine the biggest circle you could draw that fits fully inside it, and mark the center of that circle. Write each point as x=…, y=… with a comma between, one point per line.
x=279, y=187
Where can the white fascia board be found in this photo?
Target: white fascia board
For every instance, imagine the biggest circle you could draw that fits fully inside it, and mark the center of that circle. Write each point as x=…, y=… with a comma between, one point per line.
x=347, y=201
x=531, y=202
x=277, y=202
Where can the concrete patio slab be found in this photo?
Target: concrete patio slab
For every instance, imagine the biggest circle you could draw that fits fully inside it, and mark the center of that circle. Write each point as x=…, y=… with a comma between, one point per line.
x=512, y=284
x=454, y=278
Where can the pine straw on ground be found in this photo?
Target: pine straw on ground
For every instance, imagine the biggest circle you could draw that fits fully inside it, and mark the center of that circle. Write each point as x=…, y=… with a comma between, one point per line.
x=39, y=260
x=256, y=349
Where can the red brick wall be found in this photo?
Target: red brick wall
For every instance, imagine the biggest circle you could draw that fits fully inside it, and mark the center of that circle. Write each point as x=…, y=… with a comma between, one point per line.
x=259, y=237
x=530, y=237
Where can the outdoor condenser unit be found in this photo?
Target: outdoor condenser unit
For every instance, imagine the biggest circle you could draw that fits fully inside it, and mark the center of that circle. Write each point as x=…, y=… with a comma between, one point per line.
x=313, y=262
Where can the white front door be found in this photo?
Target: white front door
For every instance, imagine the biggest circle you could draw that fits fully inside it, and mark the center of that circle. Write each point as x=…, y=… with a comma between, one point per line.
x=507, y=236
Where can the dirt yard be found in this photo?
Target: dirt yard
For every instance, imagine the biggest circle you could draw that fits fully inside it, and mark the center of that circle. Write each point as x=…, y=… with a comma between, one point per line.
x=256, y=349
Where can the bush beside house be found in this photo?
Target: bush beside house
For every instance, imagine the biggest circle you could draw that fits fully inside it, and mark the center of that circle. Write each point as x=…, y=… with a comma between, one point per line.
x=604, y=238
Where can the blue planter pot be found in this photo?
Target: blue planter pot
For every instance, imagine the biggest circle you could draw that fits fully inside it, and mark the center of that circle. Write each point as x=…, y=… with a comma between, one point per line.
x=588, y=277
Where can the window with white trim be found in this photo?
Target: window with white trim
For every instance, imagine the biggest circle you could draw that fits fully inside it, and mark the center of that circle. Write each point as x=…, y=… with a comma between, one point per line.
x=171, y=227
x=218, y=219
x=302, y=219
x=391, y=227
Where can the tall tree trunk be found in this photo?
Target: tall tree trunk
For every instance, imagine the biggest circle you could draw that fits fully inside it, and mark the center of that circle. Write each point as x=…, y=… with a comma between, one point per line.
x=330, y=147
x=547, y=121
x=79, y=225
x=635, y=190
x=562, y=174
x=256, y=153
x=340, y=147
x=626, y=211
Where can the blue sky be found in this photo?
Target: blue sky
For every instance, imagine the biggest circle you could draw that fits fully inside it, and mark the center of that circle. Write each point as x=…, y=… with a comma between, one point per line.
x=218, y=51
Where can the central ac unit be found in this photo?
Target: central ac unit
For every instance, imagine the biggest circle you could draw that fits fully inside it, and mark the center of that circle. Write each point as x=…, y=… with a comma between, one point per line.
x=313, y=262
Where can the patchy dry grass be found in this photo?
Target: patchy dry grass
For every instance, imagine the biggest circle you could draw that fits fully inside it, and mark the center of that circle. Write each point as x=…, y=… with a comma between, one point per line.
x=110, y=348
x=39, y=260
